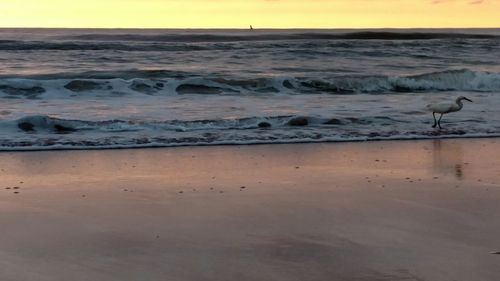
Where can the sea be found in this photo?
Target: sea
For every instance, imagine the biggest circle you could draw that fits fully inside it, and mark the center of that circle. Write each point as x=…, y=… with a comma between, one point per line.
x=128, y=88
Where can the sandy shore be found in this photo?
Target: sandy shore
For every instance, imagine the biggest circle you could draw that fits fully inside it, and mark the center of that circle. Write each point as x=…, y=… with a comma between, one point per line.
x=405, y=210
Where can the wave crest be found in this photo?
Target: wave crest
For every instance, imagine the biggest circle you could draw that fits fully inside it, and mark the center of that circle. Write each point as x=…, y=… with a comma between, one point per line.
x=43, y=132
x=273, y=36
x=172, y=83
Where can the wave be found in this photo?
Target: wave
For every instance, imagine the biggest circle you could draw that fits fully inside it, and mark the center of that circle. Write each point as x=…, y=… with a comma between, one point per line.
x=12, y=45
x=48, y=133
x=188, y=42
x=159, y=82
x=44, y=123
x=102, y=75
x=263, y=36
x=449, y=80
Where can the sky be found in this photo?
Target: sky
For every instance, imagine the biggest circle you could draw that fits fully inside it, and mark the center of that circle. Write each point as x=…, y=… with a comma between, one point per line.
x=242, y=13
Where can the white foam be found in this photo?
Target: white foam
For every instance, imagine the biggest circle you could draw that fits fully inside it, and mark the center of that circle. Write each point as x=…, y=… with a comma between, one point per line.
x=457, y=80
x=152, y=121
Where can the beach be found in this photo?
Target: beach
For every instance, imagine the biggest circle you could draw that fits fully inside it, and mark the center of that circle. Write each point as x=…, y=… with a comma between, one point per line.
x=204, y=153
x=383, y=210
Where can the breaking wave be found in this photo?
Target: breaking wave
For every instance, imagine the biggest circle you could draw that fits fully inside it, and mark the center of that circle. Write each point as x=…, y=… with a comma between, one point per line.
x=174, y=83
x=43, y=132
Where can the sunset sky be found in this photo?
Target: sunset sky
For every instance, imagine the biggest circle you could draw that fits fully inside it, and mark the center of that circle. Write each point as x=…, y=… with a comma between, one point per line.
x=241, y=13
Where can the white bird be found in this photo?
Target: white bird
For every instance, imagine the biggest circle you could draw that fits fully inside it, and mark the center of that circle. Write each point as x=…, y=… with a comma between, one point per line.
x=445, y=107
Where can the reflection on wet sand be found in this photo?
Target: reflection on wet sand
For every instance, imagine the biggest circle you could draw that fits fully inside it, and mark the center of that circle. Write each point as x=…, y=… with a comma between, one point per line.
x=181, y=214
x=448, y=158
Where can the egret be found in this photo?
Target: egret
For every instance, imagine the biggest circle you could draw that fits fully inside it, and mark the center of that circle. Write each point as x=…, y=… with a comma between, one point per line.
x=445, y=107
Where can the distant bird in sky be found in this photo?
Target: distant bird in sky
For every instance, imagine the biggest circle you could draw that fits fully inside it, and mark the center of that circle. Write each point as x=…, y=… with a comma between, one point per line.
x=445, y=107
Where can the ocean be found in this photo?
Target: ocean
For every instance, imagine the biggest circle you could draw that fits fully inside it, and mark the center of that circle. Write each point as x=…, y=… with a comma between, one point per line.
x=119, y=88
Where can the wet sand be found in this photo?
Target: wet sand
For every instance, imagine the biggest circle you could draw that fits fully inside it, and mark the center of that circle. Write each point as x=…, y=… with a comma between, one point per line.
x=402, y=210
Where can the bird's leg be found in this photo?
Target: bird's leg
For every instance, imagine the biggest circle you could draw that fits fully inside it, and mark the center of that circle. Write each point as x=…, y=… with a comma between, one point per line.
x=435, y=121
x=439, y=121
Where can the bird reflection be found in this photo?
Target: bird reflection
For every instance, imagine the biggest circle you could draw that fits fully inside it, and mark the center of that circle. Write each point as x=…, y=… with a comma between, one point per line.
x=448, y=158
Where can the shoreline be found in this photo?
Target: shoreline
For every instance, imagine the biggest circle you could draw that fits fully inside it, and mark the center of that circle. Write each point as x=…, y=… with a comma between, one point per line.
x=381, y=210
x=152, y=146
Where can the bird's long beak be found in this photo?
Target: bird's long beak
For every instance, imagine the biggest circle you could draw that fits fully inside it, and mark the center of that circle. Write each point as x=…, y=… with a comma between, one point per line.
x=467, y=99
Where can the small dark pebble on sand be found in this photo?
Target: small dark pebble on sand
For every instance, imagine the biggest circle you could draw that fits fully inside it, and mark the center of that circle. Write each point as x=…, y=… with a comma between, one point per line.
x=16, y=192
x=495, y=253
x=181, y=192
x=16, y=187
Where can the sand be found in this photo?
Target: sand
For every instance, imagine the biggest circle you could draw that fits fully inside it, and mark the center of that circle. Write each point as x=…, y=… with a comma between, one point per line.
x=398, y=210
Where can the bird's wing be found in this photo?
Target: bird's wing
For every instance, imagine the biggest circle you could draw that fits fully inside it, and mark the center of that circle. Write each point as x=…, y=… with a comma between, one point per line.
x=440, y=107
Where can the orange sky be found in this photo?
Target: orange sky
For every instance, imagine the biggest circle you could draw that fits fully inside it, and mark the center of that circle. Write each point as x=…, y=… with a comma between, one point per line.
x=241, y=13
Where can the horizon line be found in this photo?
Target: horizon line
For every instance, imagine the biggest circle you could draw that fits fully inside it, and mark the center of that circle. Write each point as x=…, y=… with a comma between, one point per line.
x=241, y=28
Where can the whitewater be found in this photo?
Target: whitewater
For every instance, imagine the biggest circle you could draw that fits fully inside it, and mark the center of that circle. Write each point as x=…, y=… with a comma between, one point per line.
x=94, y=89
